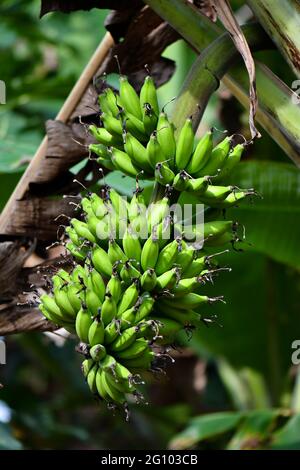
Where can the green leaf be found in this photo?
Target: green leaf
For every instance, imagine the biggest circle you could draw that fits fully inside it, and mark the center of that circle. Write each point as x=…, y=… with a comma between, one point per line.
x=272, y=223
x=254, y=430
x=7, y=441
x=259, y=321
x=288, y=437
x=205, y=427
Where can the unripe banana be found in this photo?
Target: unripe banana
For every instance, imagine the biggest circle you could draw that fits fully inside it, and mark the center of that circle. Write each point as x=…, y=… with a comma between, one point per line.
x=181, y=181
x=185, y=256
x=112, y=125
x=167, y=280
x=217, y=159
x=136, y=127
x=100, y=150
x=137, y=152
x=104, y=137
x=52, y=307
x=108, y=102
x=95, y=282
x=232, y=161
x=123, y=162
x=186, y=285
x=145, y=308
x=132, y=247
x=114, y=286
x=73, y=235
x=125, y=340
x=167, y=326
x=149, y=118
x=93, y=302
x=86, y=366
x=78, y=253
x=157, y=211
x=108, y=310
x=154, y=151
x=96, y=332
x=100, y=208
x=51, y=316
x=101, y=389
x=129, y=272
x=190, y=301
x=62, y=300
x=163, y=174
x=82, y=325
x=148, y=94
x=166, y=139
x=148, y=280
x=133, y=351
x=129, y=99
x=233, y=199
x=184, y=317
x=75, y=296
x=97, y=352
x=195, y=268
x=142, y=362
x=185, y=145
x=115, y=253
x=215, y=194
x=121, y=385
x=101, y=261
x=112, y=331
x=129, y=298
x=201, y=154
x=82, y=230
x=115, y=395
x=150, y=252
x=198, y=186
x=128, y=318
x=91, y=379
x=167, y=257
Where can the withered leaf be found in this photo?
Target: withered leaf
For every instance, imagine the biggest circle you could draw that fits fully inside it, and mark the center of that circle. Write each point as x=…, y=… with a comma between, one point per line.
x=228, y=19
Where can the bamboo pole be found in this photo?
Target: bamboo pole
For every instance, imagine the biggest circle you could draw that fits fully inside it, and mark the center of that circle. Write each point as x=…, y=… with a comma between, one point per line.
x=63, y=115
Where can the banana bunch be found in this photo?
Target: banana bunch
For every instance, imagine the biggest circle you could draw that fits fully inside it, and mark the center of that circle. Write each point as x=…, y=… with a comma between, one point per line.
x=140, y=275
x=139, y=140
x=120, y=299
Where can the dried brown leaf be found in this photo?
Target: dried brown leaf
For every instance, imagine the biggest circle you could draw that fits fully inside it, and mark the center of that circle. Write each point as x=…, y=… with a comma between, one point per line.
x=229, y=21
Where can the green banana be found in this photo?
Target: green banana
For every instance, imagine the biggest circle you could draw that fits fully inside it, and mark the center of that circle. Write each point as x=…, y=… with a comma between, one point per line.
x=62, y=300
x=128, y=299
x=217, y=159
x=155, y=153
x=115, y=253
x=185, y=145
x=93, y=302
x=132, y=247
x=137, y=152
x=148, y=280
x=148, y=94
x=96, y=332
x=165, y=137
x=129, y=272
x=114, y=286
x=104, y=137
x=109, y=309
x=167, y=257
x=82, y=230
x=126, y=339
x=91, y=379
x=167, y=280
x=136, y=127
x=149, y=118
x=129, y=99
x=86, y=366
x=108, y=102
x=73, y=235
x=82, y=325
x=123, y=162
x=133, y=351
x=112, y=125
x=201, y=154
x=97, y=352
x=145, y=307
x=143, y=362
x=163, y=174
x=150, y=252
x=101, y=261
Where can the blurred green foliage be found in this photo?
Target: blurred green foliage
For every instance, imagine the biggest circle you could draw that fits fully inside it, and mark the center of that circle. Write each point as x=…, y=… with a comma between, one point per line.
x=246, y=378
